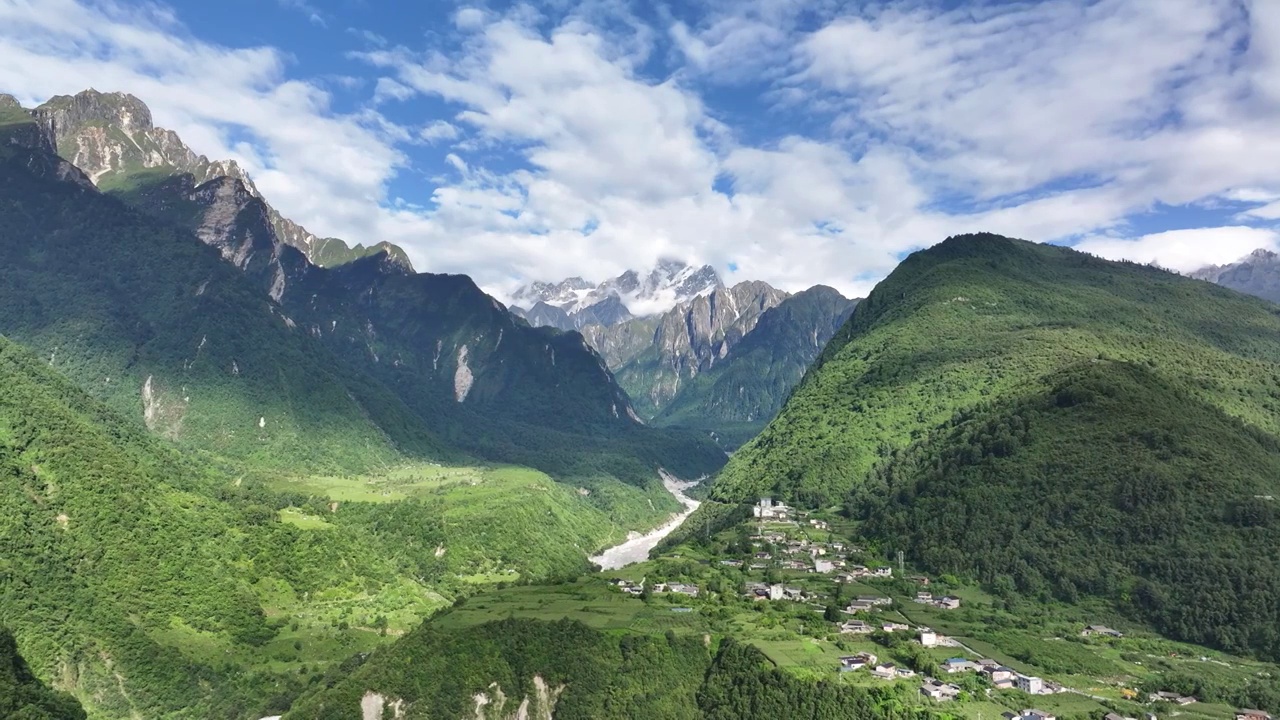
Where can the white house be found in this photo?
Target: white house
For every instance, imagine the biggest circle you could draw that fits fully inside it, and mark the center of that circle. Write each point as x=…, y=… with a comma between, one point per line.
x=1028, y=684
x=885, y=672
x=928, y=638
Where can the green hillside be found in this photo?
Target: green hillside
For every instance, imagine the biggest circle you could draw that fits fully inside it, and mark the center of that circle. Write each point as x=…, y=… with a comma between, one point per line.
x=1053, y=425
x=277, y=363
x=1108, y=481
x=147, y=583
x=161, y=328
x=982, y=318
x=23, y=696
x=521, y=667
x=534, y=396
x=741, y=393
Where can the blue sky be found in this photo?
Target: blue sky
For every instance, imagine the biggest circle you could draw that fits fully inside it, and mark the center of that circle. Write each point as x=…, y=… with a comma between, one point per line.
x=790, y=141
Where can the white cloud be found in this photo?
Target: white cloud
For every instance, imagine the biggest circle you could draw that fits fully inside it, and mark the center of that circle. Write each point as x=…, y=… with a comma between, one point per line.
x=587, y=142
x=437, y=131
x=1270, y=211
x=468, y=18
x=1185, y=250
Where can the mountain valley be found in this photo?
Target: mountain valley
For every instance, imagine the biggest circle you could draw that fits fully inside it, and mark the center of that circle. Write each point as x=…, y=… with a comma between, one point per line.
x=246, y=472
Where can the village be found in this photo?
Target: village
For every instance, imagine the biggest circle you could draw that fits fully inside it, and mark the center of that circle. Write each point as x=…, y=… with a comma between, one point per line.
x=786, y=557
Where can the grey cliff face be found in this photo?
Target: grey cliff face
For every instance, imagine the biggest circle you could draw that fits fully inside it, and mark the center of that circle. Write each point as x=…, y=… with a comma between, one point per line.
x=111, y=137
x=1257, y=274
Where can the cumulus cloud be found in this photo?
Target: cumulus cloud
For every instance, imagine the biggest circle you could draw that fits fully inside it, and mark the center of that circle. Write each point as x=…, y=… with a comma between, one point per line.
x=798, y=142
x=1185, y=250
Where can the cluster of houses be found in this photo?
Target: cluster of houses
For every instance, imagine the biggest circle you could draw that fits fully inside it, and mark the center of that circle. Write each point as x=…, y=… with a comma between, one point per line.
x=627, y=586
x=861, y=627
x=867, y=603
x=678, y=588
x=939, y=691
x=947, y=602
x=777, y=591
x=868, y=661
x=806, y=556
x=1170, y=697
x=632, y=588
x=929, y=638
x=856, y=572
x=1001, y=677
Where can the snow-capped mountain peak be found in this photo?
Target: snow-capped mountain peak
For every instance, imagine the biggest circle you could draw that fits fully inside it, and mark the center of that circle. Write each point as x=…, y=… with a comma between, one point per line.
x=669, y=283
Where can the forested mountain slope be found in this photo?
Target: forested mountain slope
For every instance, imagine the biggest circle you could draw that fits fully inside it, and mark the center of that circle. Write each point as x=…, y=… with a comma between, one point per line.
x=983, y=318
x=154, y=322
x=1054, y=425
x=111, y=137
x=1109, y=480
x=478, y=376
x=522, y=668
x=151, y=584
x=196, y=317
x=23, y=696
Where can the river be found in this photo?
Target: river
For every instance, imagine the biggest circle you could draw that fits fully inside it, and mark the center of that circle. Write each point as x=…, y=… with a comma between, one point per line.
x=636, y=548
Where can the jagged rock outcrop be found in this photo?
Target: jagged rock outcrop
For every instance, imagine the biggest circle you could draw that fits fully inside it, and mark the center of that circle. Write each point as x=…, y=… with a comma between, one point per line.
x=112, y=138
x=685, y=341
x=1257, y=274
x=20, y=133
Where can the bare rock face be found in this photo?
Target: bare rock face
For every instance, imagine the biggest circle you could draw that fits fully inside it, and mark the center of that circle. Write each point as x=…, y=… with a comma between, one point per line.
x=162, y=411
x=653, y=359
x=462, y=377
x=1257, y=273
x=111, y=137
x=106, y=134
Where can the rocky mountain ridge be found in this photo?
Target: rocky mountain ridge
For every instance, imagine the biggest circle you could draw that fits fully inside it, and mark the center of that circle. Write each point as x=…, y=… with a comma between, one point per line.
x=686, y=340
x=443, y=359
x=112, y=138
x=1257, y=274
x=575, y=303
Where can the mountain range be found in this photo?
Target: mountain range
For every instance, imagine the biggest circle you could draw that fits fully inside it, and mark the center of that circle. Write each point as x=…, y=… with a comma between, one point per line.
x=177, y=301
x=658, y=357
x=241, y=476
x=574, y=303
